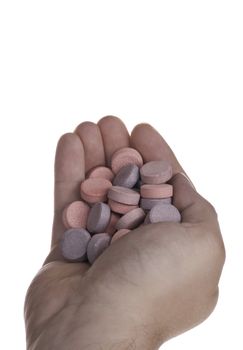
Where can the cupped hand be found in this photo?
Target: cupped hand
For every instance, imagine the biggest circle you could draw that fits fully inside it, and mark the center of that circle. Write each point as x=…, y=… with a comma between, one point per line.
x=152, y=284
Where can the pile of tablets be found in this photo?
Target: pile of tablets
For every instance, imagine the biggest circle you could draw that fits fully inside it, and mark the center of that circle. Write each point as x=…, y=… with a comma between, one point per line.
x=115, y=201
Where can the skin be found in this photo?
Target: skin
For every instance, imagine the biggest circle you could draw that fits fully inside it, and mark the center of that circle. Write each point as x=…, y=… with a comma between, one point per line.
x=150, y=285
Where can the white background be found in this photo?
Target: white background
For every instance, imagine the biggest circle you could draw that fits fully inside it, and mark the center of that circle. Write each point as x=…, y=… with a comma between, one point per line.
x=176, y=64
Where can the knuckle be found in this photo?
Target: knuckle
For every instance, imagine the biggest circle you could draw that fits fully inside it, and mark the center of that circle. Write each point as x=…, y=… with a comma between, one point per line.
x=218, y=250
x=222, y=251
x=212, y=210
x=214, y=244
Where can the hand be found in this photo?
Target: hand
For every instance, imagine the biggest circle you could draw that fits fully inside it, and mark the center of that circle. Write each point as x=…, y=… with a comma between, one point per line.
x=154, y=283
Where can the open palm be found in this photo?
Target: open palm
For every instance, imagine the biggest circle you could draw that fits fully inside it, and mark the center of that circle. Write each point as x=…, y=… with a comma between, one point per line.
x=152, y=284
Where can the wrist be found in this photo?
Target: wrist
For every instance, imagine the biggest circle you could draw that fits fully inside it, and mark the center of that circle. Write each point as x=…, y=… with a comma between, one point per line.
x=113, y=321
x=90, y=339
x=124, y=328
x=96, y=330
x=101, y=330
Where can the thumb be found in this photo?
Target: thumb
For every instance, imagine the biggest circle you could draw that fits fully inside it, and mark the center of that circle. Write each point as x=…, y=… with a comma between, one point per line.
x=192, y=206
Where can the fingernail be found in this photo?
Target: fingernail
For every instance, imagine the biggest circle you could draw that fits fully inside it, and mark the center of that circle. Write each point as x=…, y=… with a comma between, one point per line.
x=188, y=180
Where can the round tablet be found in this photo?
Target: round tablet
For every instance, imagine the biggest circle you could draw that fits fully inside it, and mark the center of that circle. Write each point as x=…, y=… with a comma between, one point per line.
x=156, y=191
x=95, y=190
x=75, y=215
x=99, y=217
x=119, y=234
x=124, y=156
x=74, y=244
x=131, y=220
x=156, y=172
x=164, y=212
x=127, y=176
x=102, y=172
x=97, y=245
x=149, y=203
x=123, y=195
x=111, y=227
x=119, y=207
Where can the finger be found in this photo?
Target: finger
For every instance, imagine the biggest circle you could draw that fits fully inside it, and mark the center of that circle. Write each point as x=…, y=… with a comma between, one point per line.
x=114, y=134
x=192, y=206
x=152, y=146
x=69, y=172
x=93, y=144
